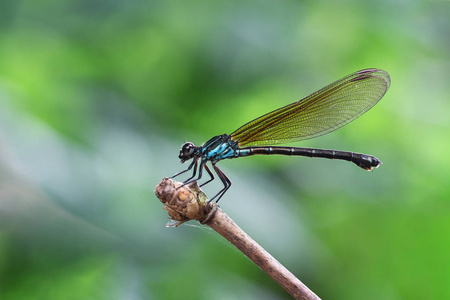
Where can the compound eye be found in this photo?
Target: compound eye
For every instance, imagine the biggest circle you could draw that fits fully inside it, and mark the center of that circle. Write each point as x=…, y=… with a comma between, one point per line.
x=187, y=151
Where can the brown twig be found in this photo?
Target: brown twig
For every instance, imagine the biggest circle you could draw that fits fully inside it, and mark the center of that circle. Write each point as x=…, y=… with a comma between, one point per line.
x=188, y=202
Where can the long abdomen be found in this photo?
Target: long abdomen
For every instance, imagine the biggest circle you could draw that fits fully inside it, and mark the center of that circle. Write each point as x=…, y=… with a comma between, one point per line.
x=367, y=162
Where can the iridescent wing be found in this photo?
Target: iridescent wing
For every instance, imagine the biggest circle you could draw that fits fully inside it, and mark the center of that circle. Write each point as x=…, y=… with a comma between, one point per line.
x=319, y=113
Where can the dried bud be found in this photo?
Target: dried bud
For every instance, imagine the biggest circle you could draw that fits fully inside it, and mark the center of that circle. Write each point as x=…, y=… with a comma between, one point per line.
x=183, y=203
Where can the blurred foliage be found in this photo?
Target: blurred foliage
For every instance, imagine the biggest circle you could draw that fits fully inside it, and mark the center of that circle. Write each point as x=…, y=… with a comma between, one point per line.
x=98, y=96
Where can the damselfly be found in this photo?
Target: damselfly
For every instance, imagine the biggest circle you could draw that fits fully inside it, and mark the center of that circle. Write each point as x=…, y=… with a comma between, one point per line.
x=321, y=112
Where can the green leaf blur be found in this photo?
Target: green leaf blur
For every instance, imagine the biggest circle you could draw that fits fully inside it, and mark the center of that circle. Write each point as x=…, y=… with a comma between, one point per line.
x=97, y=97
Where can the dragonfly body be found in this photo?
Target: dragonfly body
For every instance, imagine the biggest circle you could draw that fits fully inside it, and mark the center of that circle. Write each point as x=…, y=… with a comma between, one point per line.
x=321, y=112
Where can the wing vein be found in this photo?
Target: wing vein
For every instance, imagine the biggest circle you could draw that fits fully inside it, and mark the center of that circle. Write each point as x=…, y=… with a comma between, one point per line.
x=321, y=112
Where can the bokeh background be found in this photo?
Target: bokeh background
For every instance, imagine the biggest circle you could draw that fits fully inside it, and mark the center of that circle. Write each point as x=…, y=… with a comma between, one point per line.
x=97, y=97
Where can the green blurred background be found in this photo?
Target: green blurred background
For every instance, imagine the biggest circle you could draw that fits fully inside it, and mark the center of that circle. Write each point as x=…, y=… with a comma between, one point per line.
x=97, y=97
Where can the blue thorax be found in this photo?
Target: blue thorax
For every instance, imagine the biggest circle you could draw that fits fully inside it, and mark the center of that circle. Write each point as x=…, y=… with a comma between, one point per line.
x=219, y=147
